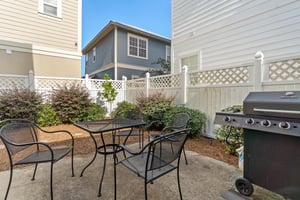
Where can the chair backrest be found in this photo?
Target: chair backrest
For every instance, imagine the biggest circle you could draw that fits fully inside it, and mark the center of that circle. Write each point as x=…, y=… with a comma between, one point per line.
x=166, y=149
x=16, y=132
x=179, y=121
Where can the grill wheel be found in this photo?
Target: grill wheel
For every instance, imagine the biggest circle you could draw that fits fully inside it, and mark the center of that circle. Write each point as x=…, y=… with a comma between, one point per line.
x=244, y=186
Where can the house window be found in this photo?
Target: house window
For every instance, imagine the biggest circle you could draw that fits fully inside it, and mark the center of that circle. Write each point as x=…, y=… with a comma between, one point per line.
x=50, y=7
x=137, y=46
x=94, y=54
x=191, y=62
x=168, y=53
x=86, y=58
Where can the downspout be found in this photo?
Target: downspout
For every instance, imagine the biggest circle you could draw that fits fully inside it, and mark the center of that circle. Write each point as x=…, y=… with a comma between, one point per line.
x=116, y=52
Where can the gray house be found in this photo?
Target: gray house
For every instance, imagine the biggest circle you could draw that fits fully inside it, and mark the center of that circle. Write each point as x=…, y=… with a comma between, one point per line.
x=122, y=50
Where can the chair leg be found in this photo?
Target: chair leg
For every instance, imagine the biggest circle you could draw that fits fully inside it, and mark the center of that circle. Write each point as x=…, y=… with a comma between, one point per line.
x=145, y=188
x=72, y=162
x=186, y=162
x=115, y=178
x=9, y=183
x=51, y=180
x=178, y=181
x=34, y=172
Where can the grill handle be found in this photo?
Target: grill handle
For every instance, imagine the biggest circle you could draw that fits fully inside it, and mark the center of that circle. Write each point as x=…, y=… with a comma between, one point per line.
x=276, y=111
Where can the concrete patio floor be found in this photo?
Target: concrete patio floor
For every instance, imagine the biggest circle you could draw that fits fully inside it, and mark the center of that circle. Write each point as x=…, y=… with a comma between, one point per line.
x=202, y=179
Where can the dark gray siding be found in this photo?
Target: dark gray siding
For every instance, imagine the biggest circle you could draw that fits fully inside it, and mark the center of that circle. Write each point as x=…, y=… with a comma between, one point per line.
x=110, y=72
x=104, y=53
x=156, y=49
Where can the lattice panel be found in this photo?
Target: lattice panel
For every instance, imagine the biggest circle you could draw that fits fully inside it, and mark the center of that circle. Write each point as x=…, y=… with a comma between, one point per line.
x=136, y=83
x=221, y=76
x=287, y=70
x=165, y=81
x=117, y=85
x=96, y=84
x=52, y=83
x=7, y=82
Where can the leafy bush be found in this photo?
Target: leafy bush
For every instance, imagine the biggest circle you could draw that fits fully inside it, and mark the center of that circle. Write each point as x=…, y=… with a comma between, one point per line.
x=20, y=103
x=95, y=112
x=232, y=137
x=154, y=107
x=128, y=110
x=196, y=122
x=47, y=116
x=71, y=104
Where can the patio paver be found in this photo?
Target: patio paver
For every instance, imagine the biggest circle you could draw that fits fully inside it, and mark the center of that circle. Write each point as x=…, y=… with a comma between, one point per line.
x=203, y=178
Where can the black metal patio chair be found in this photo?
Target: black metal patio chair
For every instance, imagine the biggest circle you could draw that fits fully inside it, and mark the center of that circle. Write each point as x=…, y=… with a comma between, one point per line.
x=136, y=131
x=179, y=121
x=21, y=136
x=157, y=158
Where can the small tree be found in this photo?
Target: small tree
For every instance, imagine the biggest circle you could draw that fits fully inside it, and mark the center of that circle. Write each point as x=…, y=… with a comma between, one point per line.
x=109, y=93
x=165, y=68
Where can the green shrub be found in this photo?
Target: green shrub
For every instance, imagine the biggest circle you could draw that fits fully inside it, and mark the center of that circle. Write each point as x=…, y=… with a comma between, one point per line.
x=128, y=110
x=71, y=103
x=47, y=116
x=196, y=122
x=154, y=107
x=232, y=137
x=20, y=103
x=96, y=112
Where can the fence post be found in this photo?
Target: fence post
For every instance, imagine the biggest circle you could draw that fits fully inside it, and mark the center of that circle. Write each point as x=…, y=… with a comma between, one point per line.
x=124, y=79
x=31, y=84
x=259, y=71
x=184, y=84
x=147, y=84
x=87, y=82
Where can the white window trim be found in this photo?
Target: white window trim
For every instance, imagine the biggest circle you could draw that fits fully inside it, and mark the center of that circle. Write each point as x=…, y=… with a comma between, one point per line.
x=59, y=9
x=199, y=61
x=94, y=54
x=168, y=47
x=128, y=45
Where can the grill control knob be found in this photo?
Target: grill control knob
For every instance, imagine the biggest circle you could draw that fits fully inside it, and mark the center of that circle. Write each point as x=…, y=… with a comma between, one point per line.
x=284, y=125
x=249, y=121
x=265, y=123
x=227, y=119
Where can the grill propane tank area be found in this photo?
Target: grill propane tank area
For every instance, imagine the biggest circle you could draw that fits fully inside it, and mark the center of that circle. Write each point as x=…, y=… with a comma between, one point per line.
x=271, y=123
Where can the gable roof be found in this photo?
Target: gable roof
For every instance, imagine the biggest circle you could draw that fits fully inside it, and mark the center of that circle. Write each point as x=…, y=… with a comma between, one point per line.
x=111, y=25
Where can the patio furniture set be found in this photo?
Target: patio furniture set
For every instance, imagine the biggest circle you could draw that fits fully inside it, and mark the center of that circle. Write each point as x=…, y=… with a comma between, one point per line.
x=158, y=157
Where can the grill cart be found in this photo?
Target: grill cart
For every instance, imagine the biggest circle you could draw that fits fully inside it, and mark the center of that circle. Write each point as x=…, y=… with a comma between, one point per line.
x=271, y=123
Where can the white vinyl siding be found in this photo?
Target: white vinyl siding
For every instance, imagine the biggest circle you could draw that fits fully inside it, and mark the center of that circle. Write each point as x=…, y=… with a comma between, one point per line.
x=21, y=22
x=137, y=46
x=229, y=33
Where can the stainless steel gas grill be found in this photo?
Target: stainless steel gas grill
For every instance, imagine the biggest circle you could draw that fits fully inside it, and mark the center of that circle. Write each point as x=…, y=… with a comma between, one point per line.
x=271, y=122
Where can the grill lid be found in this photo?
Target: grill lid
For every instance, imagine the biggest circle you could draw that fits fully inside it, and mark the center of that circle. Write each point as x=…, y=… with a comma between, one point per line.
x=277, y=104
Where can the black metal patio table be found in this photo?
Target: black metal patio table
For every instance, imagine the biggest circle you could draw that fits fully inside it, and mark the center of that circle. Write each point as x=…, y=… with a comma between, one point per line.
x=100, y=127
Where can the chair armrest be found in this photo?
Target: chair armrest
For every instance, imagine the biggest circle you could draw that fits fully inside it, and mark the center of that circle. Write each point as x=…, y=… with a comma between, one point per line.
x=33, y=143
x=154, y=122
x=130, y=151
x=57, y=131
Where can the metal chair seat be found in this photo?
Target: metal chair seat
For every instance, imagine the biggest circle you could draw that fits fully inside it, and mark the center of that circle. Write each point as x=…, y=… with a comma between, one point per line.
x=137, y=165
x=44, y=156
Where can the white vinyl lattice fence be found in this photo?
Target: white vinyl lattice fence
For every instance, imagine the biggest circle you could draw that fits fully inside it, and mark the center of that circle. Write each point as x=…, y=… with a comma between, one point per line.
x=208, y=91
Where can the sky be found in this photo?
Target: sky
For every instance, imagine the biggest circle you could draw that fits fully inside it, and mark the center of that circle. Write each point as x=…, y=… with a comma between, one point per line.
x=151, y=15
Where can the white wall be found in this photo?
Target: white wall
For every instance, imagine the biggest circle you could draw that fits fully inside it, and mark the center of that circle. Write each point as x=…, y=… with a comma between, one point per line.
x=225, y=33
